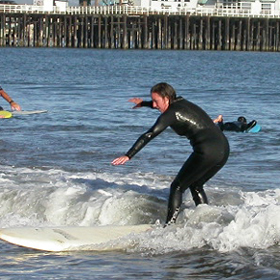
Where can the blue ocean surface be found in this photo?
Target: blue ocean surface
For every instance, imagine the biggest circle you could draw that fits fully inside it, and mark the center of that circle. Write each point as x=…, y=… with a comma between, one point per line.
x=55, y=168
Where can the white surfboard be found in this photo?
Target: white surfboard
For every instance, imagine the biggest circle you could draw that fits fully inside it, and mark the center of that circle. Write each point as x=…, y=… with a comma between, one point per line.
x=20, y=113
x=68, y=238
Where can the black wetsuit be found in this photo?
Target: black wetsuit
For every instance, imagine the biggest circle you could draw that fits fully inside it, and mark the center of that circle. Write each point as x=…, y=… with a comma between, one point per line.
x=210, y=150
x=236, y=126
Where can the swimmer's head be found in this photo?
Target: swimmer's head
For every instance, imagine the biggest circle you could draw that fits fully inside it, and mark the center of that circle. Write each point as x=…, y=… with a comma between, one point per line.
x=242, y=119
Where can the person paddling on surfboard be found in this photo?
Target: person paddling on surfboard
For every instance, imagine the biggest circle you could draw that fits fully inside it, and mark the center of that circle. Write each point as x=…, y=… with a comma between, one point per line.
x=14, y=105
x=240, y=125
x=210, y=146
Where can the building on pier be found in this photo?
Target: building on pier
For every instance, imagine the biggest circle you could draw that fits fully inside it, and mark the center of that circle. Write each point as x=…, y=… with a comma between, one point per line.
x=253, y=6
x=174, y=4
x=168, y=5
x=256, y=6
x=48, y=5
x=250, y=7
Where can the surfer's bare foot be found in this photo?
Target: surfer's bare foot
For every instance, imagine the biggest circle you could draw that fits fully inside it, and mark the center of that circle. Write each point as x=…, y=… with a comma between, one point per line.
x=218, y=119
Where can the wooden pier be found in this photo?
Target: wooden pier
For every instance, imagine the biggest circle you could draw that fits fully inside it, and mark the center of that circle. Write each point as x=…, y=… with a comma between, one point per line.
x=185, y=31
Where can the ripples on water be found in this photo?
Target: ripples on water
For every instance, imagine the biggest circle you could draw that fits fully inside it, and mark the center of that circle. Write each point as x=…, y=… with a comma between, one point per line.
x=55, y=168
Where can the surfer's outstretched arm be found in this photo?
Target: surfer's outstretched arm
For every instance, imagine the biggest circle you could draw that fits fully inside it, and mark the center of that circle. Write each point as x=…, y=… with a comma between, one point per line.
x=14, y=105
x=140, y=103
x=142, y=141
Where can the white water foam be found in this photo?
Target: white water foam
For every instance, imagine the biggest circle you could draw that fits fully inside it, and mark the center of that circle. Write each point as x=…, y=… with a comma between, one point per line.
x=33, y=197
x=253, y=225
x=234, y=219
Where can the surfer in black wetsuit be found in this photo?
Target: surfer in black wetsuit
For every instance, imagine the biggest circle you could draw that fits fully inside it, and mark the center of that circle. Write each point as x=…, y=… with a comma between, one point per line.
x=14, y=105
x=240, y=125
x=210, y=146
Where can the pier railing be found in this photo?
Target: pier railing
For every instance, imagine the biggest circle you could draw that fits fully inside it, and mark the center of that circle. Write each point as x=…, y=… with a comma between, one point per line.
x=134, y=10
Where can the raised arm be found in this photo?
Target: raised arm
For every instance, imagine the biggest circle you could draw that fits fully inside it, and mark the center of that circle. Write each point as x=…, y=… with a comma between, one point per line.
x=140, y=103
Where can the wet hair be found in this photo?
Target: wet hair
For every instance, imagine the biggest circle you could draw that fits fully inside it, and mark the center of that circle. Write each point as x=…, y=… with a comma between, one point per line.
x=242, y=119
x=164, y=90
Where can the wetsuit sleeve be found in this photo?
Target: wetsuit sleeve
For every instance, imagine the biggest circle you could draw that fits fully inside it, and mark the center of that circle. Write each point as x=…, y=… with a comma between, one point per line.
x=160, y=125
x=233, y=126
x=147, y=104
x=220, y=125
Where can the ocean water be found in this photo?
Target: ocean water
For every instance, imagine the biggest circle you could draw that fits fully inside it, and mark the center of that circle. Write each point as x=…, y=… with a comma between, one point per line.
x=55, y=168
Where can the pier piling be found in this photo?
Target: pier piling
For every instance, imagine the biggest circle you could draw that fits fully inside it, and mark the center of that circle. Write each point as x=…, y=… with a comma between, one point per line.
x=143, y=31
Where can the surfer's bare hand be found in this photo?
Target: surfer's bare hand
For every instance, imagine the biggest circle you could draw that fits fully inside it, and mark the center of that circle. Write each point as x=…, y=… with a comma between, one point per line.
x=15, y=106
x=137, y=101
x=120, y=160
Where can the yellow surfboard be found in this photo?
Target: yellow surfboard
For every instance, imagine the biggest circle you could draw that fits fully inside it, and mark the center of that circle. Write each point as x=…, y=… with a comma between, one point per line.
x=5, y=115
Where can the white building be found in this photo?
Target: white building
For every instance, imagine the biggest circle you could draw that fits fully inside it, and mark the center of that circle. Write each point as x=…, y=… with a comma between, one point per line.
x=49, y=5
x=252, y=6
x=166, y=4
x=255, y=6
